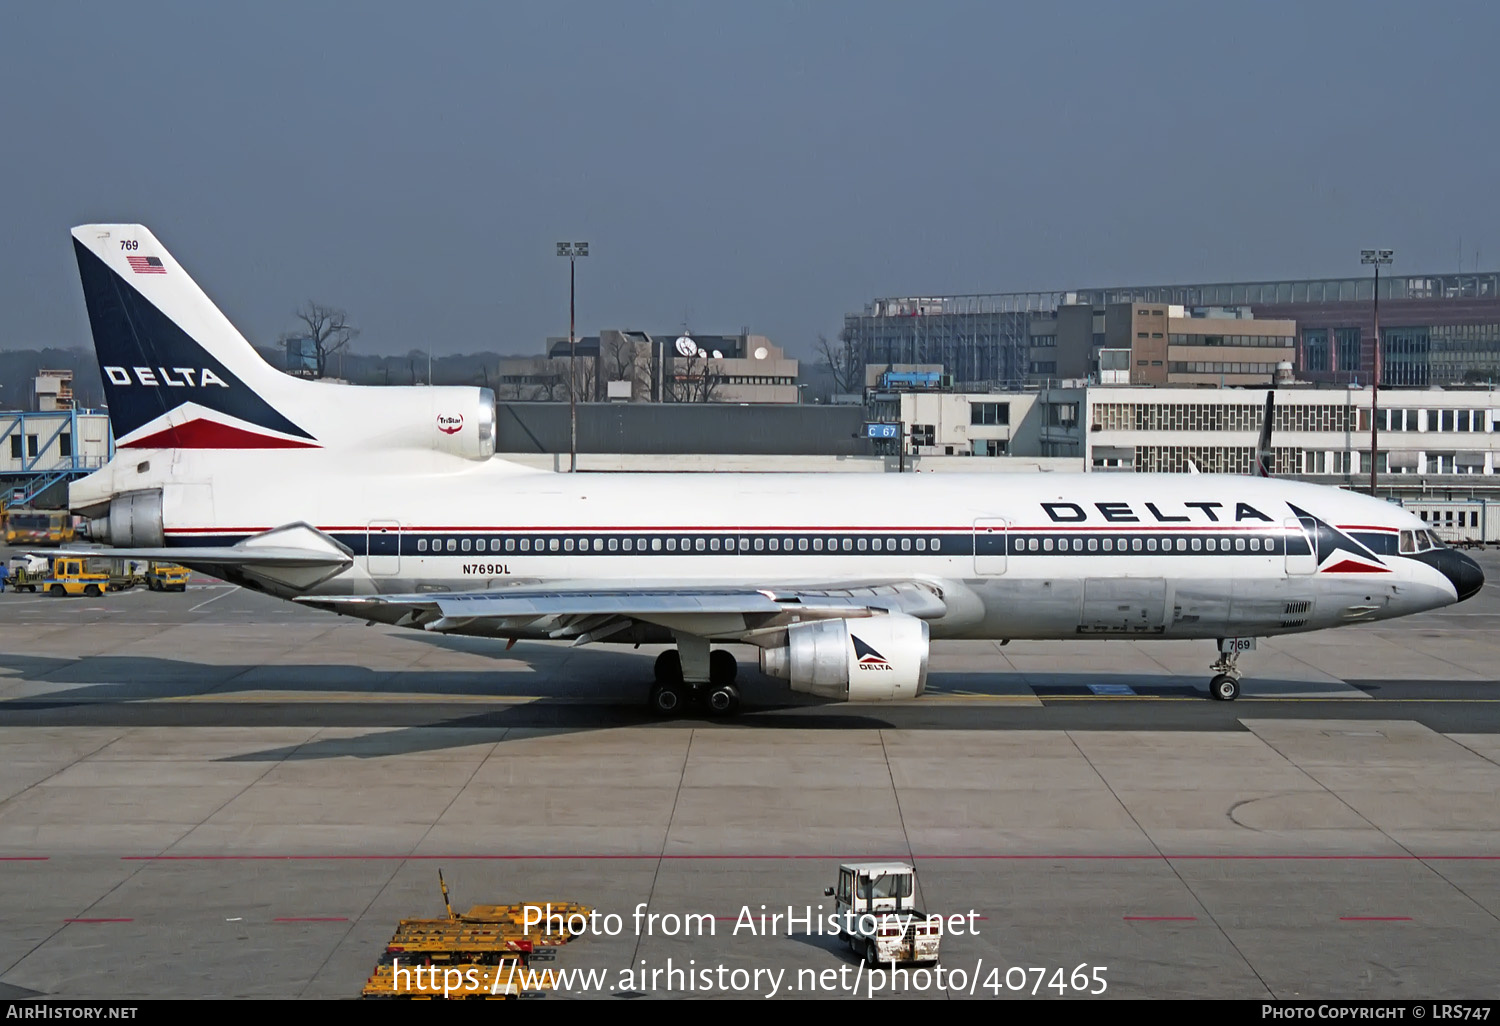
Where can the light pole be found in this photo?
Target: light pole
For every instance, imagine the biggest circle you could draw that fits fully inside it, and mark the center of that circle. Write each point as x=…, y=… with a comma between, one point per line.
x=1375, y=257
x=572, y=250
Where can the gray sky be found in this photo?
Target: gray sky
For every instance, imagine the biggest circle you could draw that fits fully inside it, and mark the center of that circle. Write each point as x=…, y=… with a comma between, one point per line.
x=764, y=164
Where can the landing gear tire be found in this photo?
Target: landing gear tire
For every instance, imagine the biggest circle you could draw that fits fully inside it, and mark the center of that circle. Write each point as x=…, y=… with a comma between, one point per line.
x=722, y=668
x=668, y=668
x=1224, y=688
x=668, y=699
x=723, y=700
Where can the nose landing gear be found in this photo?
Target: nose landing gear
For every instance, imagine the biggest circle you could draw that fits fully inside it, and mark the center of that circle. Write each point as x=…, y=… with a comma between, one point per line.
x=1225, y=686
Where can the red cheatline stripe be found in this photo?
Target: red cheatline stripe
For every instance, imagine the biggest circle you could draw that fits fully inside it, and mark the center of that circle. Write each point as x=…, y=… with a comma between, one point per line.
x=310, y=919
x=1161, y=919
x=1375, y=919
x=98, y=920
x=833, y=855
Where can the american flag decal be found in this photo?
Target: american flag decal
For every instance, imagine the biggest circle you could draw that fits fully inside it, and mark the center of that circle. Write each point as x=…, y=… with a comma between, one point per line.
x=146, y=265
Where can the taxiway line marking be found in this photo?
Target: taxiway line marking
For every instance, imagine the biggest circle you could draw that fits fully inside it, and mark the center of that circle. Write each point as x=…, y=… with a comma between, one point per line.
x=990, y=857
x=311, y=919
x=24, y=858
x=1374, y=919
x=1161, y=919
x=98, y=920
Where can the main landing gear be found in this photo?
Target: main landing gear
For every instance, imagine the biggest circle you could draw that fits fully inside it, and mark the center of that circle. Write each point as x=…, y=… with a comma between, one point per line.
x=690, y=674
x=1225, y=686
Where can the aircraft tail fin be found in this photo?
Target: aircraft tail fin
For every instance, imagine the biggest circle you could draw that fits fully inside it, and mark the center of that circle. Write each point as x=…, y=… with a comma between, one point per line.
x=177, y=374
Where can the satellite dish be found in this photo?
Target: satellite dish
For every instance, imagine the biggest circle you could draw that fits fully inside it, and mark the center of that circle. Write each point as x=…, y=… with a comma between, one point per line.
x=718, y=355
x=761, y=352
x=686, y=346
x=701, y=353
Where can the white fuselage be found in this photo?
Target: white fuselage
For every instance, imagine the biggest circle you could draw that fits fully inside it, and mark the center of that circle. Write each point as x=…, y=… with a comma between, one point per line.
x=1035, y=556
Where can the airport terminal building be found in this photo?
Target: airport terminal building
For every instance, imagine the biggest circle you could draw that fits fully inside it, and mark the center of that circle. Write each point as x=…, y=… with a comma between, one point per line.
x=1435, y=330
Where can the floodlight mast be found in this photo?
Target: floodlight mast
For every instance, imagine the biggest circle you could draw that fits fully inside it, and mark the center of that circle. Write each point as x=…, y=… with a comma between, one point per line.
x=1375, y=257
x=572, y=250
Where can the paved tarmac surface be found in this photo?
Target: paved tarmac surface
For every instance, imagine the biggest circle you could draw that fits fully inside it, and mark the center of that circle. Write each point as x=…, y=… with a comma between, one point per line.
x=213, y=794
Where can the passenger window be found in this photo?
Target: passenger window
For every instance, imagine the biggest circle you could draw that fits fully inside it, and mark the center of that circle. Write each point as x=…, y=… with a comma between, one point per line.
x=1197, y=544
x=1031, y=544
x=1046, y=544
x=860, y=545
x=464, y=545
x=905, y=544
x=760, y=543
x=452, y=545
x=656, y=544
x=698, y=544
x=774, y=542
x=934, y=545
x=713, y=543
x=1093, y=544
x=1109, y=545
x=614, y=544
x=1213, y=545
x=801, y=544
x=921, y=544
x=786, y=543
x=1239, y=545
x=1151, y=544
x=1254, y=544
x=629, y=544
x=848, y=545
x=875, y=544
x=525, y=544
x=568, y=544
x=817, y=544
x=1135, y=544
x=421, y=544
x=1270, y=544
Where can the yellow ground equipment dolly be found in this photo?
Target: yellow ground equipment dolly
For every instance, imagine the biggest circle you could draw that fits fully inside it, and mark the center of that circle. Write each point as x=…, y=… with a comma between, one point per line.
x=460, y=955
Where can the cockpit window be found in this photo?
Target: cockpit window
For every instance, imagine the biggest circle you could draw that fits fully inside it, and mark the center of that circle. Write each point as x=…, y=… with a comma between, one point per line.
x=1433, y=541
x=1408, y=543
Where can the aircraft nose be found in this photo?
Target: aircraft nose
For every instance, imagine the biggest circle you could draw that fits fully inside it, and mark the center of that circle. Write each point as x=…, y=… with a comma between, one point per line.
x=1467, y=576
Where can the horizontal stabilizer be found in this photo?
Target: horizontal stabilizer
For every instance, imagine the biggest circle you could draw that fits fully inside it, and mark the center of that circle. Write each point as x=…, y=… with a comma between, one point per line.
x=296, y=556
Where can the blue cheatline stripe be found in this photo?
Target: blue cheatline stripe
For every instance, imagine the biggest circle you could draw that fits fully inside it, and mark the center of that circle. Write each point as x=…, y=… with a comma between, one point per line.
x=893, y=544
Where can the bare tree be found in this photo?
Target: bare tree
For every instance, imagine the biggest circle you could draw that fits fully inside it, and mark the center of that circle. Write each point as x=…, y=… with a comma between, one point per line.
x=329, y=329
x=694, y=379
x=845, y=361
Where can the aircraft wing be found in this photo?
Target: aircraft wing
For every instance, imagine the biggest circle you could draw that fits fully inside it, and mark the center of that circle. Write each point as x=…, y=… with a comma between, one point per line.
x=589, y=612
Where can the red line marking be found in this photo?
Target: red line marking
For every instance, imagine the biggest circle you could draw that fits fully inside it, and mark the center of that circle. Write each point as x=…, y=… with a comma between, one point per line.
x=98, y=920
x=1375, y=919
x=833, y=855
x=24, y=858
x=310, y=919
x=1161, y=919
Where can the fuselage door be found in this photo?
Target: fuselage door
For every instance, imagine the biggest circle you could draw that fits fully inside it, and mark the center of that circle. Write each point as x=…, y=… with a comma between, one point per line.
x=1300, y=545
x=989, y=546
x=383, y=548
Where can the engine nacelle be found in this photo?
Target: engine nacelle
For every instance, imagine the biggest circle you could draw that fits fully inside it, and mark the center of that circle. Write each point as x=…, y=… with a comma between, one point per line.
x=134, y=520
x=869, y=659
x=455, y=420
